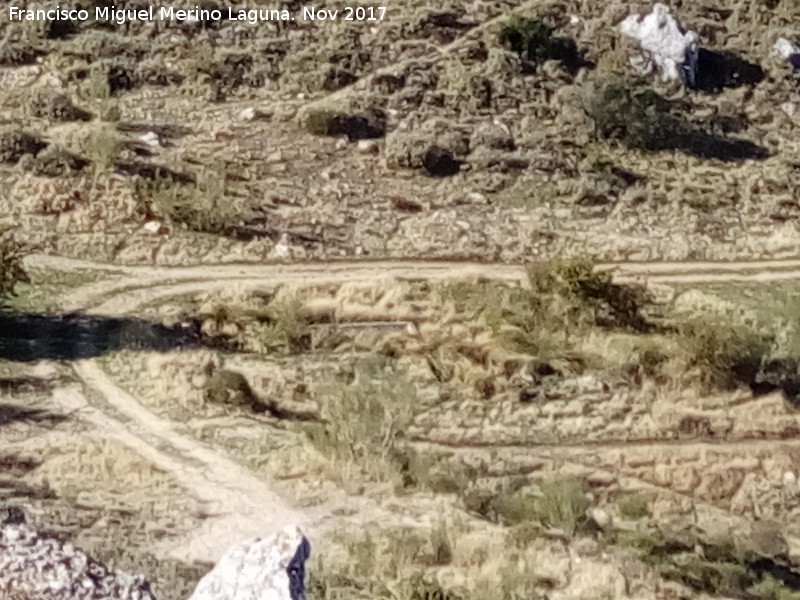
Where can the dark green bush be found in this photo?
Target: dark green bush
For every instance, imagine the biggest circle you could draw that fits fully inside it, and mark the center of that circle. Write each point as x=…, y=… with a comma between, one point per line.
x=57, y=107
x=12, y=270
x=593, y=293
x=641, y=119
x=635, y=115
x=17, y=55
x=534, y=42
x=560, y=504
x=15, y=144
x=724, y=354
x=369, y=124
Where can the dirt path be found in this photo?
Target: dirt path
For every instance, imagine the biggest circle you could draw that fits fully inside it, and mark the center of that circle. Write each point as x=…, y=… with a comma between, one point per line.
x=131, y=287
x=241, y=503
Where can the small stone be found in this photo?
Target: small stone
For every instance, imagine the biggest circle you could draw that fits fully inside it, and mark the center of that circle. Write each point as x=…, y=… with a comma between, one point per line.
x=341, y=143
x=248, y=114
x=368, y=147
x=152, y=226
x=601, y=517
x=151, y=139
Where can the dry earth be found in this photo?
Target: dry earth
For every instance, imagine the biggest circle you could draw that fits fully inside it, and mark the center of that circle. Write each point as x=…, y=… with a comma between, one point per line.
x=120, y=445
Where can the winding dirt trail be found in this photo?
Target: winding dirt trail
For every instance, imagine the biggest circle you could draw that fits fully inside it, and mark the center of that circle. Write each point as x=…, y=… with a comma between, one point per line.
x=129, y=288
x=241, y=503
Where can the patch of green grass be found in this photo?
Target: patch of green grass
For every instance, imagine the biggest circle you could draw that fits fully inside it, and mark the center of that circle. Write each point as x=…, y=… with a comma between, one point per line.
x=44, y=286
x=284, y=328
x=633, y=506
x=202, y=206
x=721, y=567
x=364, y=417
x=12, y=270
x=559, y=504
x=724, y=354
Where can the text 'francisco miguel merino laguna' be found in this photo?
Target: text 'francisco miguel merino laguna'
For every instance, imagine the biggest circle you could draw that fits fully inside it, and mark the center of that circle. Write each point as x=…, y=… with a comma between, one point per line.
x=164, y=13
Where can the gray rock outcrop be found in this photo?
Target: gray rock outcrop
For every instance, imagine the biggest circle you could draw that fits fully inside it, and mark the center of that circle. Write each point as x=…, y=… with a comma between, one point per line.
x=36, y=567
x=272, y=568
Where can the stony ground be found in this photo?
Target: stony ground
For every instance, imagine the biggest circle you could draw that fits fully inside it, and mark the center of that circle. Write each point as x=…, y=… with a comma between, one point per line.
x=272, y=332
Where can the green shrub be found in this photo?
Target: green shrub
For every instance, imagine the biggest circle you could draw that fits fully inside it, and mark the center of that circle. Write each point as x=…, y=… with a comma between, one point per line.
x=560, y=504
x=15, y=144
x=12, y=270
x=364, y=420
x=635, y=115
x=641, y=119
x=633, y=506
x=587, y=295
x=724, y=354
x=283, y=329
x=534, y=42
x=201, y=206
x=19, y=54
x=369, y=124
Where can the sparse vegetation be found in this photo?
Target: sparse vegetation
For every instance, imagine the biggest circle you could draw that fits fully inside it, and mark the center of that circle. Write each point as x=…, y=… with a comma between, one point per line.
x=633, y=506
x=558, y=504
x=714, y=566
x=723, y=354
x=12, y=270
x=534, y=42
x=364, y=419
x=640, y=118
x=369, y=124
x=15, y=144
x=201, y=206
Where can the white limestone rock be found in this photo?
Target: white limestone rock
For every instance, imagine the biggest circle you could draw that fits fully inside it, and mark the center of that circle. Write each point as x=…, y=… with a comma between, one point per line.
x=662, y=40
x=36, y=567
x=784, y=48
x=260, y=569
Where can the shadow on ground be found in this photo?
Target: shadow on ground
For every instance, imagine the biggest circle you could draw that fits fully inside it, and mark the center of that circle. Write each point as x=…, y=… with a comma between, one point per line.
x=10, y=413
x=32, y=337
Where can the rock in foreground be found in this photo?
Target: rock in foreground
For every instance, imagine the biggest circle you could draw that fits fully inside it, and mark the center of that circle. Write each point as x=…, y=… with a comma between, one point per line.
x=36, y=567
x=262, y=569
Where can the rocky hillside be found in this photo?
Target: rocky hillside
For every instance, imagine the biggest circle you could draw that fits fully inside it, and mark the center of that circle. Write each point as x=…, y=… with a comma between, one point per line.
x=480, y=129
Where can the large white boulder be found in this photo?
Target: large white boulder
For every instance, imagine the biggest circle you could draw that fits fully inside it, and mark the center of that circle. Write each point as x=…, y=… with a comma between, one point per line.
x=663, y=41
x=272, y=568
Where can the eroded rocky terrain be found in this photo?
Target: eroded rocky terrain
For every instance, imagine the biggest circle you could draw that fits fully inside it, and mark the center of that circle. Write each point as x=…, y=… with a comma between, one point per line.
x=276, y=275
